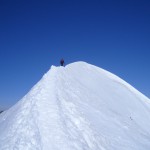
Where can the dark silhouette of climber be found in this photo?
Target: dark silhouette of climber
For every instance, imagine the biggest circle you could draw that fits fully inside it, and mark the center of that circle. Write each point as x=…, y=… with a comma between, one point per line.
x=62, y=62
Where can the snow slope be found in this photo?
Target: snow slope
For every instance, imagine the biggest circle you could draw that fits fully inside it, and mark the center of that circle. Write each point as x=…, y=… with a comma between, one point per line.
x=78, y=107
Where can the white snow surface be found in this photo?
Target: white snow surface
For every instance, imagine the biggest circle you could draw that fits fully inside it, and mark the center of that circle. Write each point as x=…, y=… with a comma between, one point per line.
x=78, y=107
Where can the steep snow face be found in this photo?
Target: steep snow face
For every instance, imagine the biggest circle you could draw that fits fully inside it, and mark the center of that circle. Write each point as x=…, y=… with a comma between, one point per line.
x=78, y=107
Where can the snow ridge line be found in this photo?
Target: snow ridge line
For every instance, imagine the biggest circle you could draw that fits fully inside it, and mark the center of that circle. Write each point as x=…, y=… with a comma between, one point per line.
x=51, y=126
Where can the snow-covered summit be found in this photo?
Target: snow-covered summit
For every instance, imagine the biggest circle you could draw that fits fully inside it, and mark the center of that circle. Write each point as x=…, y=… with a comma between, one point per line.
x=78, y=107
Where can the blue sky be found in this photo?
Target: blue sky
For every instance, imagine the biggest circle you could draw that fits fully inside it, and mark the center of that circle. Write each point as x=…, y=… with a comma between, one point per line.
x=111, y=34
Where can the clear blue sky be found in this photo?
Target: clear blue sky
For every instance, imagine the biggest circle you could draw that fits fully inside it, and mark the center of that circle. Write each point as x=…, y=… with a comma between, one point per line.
x=111, y=34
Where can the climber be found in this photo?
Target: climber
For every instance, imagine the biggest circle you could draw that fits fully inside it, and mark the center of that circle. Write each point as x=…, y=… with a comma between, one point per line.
x=62, y=62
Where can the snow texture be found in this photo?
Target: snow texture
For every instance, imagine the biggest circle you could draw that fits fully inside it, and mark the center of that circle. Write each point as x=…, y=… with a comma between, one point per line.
x=78, y=107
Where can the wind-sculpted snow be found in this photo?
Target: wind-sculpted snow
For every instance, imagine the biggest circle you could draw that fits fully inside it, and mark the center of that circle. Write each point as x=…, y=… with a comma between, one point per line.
x=78, y=107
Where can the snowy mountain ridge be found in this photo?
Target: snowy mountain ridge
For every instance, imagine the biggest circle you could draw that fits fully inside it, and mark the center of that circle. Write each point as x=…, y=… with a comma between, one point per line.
x=78, y=107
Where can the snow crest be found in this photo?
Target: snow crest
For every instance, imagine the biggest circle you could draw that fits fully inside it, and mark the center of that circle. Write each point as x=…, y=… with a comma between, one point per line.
x=78, y=107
